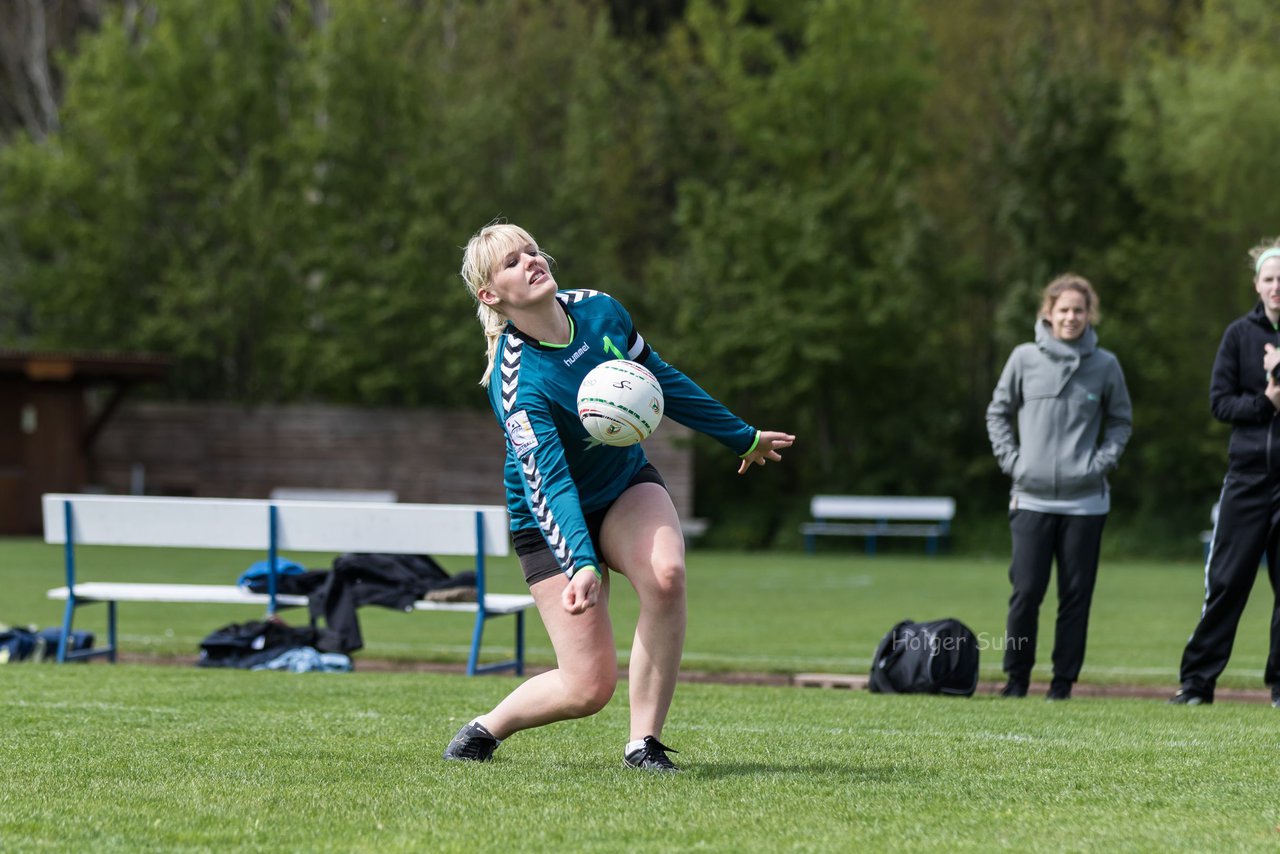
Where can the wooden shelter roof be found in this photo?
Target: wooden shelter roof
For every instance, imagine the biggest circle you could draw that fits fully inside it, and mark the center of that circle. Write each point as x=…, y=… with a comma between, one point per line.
x=84, y=366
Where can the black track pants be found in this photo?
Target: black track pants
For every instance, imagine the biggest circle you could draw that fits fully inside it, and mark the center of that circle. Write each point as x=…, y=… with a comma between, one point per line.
x=1248, y=520
x=1039, y=538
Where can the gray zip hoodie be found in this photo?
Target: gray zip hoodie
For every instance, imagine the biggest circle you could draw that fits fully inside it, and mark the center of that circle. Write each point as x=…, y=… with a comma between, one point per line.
x=1073, y=418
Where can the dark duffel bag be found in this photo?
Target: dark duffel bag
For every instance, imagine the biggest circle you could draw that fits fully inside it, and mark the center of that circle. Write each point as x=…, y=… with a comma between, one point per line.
x=245, y=645
x=938, y=657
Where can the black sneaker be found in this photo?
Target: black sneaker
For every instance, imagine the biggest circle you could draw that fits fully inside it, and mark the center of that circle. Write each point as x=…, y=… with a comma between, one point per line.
x=652, y=756
x=473, y=742
x=1014, y=688
x=1190, y=698
x=1059, y=690
x=1275, y=696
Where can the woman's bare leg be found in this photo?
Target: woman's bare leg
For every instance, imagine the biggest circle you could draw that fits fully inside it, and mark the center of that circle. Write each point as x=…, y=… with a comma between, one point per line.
x=642, y=540
x=586, y=666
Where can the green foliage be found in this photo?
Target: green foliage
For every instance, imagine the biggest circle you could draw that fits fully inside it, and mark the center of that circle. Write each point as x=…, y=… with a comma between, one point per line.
x=159, y=219
x=278, y=199
x=1196, y=137
x=800, y=276
x=835, y=214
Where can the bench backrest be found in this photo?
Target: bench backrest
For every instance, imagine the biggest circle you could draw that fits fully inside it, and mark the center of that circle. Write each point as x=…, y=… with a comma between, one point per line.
x=298, y=493
x=934, y=508
x=234, y=523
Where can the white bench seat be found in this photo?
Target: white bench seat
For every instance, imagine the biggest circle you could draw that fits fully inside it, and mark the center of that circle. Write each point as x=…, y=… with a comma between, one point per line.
x=302, y=525
x=872, y=516
x=494, y=603
x=214, y=594
x=225, y=594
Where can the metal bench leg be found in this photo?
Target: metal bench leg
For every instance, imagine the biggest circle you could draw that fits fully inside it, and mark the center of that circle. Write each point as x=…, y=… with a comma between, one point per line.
x=515, y=664
x=477, y=636
x=519, y=643
x=65, y=653
x=69, y=558
x=68, y=616
x=111, y=631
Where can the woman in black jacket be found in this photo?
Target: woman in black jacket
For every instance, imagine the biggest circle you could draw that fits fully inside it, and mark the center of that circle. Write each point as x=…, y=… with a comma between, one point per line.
x=1244, y=393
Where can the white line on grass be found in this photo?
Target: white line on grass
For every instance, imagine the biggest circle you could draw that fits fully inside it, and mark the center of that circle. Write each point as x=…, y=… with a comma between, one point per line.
x=96, y=706
x=744, y=662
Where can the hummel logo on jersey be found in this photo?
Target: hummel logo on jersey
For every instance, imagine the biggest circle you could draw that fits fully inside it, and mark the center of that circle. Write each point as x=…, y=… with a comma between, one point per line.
x=576, y=354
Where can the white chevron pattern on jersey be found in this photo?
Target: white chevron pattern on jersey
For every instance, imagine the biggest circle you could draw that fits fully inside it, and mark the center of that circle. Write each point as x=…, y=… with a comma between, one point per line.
x=570, y=297
x=542, y=513
x=510, y=369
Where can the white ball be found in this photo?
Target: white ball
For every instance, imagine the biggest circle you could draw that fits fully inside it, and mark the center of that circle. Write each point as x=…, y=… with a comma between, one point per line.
x=620, y=402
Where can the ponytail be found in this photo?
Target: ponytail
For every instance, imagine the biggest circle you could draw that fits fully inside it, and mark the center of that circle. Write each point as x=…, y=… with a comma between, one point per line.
x=479, y=259
x=493, y=324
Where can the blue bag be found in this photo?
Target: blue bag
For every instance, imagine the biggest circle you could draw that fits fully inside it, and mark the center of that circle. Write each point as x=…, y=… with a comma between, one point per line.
x=255, y=578
x=47, y=642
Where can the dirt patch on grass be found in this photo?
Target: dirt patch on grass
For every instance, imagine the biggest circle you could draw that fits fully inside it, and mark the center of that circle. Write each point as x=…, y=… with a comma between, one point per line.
x=831, y=681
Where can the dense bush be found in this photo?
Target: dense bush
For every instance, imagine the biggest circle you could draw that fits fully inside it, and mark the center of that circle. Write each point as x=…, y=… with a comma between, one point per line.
x=836, y=214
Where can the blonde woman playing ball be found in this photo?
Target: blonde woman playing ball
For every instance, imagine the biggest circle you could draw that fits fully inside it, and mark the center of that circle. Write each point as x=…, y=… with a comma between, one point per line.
x=582, y=511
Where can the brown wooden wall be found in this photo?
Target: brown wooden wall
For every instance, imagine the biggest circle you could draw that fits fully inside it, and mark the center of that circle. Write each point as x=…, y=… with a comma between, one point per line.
x=424, y=455
x=41, y=447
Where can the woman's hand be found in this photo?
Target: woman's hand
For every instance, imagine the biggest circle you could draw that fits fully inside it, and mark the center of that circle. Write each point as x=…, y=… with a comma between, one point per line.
x=582, y=592
x=1270, y=360
x=766, y=449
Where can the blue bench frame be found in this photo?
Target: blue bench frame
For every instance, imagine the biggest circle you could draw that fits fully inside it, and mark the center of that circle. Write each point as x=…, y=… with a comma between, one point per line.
x=483, y=615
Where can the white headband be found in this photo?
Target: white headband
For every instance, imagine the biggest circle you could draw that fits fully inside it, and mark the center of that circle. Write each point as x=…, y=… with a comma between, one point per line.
x=1273, y=252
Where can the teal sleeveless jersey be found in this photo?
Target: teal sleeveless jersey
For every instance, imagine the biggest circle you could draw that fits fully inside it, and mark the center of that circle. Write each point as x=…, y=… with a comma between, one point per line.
x=555, y=471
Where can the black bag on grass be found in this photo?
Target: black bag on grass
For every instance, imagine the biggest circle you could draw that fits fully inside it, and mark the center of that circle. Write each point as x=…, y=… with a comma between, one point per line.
x=245, y=645
x=939, y=657
x=16, y=644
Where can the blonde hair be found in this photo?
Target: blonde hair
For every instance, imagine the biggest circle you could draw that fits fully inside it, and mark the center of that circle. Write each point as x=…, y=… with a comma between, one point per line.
x=482, y=255
x=1070, y=282
x=1256, y=252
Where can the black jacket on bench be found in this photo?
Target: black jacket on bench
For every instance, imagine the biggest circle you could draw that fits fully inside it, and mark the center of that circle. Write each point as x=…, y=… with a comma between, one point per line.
x=390, y=580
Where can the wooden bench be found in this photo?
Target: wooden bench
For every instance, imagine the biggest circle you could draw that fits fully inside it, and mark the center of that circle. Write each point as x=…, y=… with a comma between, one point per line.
x=873, y=516
x=226, y=523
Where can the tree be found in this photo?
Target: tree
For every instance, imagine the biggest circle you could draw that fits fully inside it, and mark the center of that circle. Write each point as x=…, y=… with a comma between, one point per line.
x=796, y=294
x=31, y=32
x=254, y=187
x=1197, y=140
x=158, y=218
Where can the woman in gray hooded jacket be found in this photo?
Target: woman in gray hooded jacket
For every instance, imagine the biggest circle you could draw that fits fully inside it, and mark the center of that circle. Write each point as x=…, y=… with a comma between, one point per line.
x=1058, y=422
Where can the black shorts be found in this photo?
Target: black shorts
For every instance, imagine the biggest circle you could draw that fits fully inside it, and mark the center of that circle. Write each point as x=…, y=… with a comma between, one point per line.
x=537, y=559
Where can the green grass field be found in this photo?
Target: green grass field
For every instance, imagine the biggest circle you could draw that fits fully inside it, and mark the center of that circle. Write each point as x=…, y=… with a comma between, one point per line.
x=139, y=757
x=759, y=612
x=142, y=758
